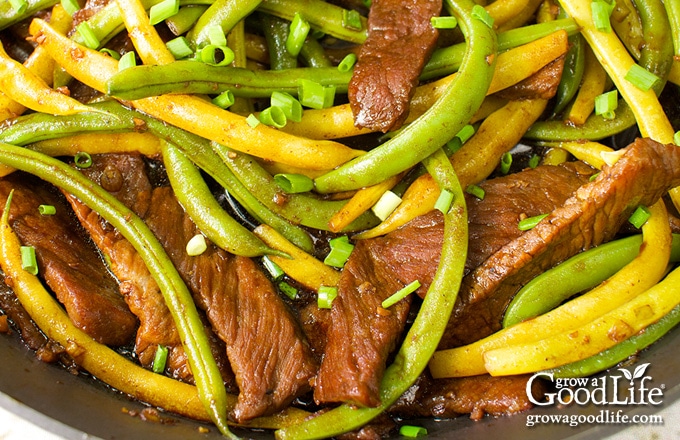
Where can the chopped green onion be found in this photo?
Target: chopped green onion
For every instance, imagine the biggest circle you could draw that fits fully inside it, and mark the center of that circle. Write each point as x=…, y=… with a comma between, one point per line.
x=452, y=146
x=387, y=203
x=600, y=11
x=676, y=138
x=412, y=431
x=315, y=95
x=252, y=120
x=29, y=263
x=594, y=176
x=225, y=99
x=640, y=216
x=163, y=10
x=445, y=22
x=347, y=62
x=530, y=222
x=465, y=133
x=534, y=160
x=179, y=47
x=351, y=19
x=47, y=210
x=325, y=297
x=294, y=183
x=341, y=249
x=444, y=201
x=19, y=6
x=400, y=294
x=160, y=359
x=89, y=37
x=216, y=35
x=110, y=52
x=216, y=55
x=289, y=104
x=70, y=6
x=476, y=190
x=299, y=29
x=641, y=78
x=506, y=162
x=606, y=104
x=128, y=59
x=196, y=245
x=273, y=116
x=482, y=14
x=82, y=159
x=274, y=269
x=288, y=290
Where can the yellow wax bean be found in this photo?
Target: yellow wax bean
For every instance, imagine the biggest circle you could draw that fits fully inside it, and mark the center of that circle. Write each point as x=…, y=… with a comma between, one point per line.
x=150, y=48
x=592, y=85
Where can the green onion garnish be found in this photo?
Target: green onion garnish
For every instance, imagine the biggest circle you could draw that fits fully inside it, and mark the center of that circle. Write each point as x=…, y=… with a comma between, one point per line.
x=274, y=117
x=639, y=216
x=506, y=162
x=70, y=6
x=289, y=104
x=299, y=29
x=676, y=138
x=606, y=104
x=179, y=47
x=444, y=201
x=274, y=269
x=594, y=177
x=19, y=6
x=196, y=245
x=29, y=263
x=110, y=52
x=294, y=183
x=225, y=99
x=82, y=159
x=351, y=19
x=476, y=190
x=47, y=210
x=216, y=55
x=341, y=249
x=641, y=78
x=446, y=22
x=600, y=11
x=128, y=59
x=288, y=290
x=216, y=35
x=160, y=359
x=348, y=62
x=412, y=431
x=89, y=37
x=530, y=222
x=326, y=295
x=315, y=95
x=163, y=10
x=465, y=133
x=482, y=14
x=400, y=294
x=452, y=146
x=252, y=120
x=534, y=160
x=387, y=203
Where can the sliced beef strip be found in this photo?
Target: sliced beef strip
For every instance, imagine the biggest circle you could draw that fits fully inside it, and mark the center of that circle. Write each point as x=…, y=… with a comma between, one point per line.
x=541, y=85
x=269, y=355
x=70, y=265
x=399, y=43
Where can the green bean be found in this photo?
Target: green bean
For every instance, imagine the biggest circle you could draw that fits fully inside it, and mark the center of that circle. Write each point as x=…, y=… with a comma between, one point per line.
x=197, y=199
x=440, y=123
x=300, y=208
x=8, y=16
x=276, y=33
x=572, y=73
x=222, y=13
x=673, y=13
x=656, y=54
x=185, y=19
x=314, y=55
x=423, y=336
x=575, y=275
x=177, y=296
x=621, y=351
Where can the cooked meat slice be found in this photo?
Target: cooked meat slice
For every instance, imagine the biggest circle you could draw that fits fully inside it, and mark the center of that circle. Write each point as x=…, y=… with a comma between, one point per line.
x=361, y=334
x=541, y=85
x=477, y=396
x=69, y=264
x=399, y=43
x=267, y=351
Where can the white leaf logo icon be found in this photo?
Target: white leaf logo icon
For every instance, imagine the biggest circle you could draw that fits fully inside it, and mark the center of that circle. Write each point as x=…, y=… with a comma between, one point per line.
x=637, y=373
x=627, y=374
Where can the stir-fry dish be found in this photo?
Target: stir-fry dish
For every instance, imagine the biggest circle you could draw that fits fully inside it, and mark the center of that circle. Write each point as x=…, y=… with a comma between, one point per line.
x=331, y=218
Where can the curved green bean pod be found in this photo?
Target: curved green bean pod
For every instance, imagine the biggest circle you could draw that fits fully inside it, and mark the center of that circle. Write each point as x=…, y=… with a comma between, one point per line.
x=9, y=16
x=621, y=351
x=656, y=54
x=177, y=296
x=575, y=275
x=573, y=73
x=450, y=113
x=300, y=208
x=222, y=13
x=276, y=31
x=195, y=196
x=314, y=55
x=673, y=12
x=424, y=335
